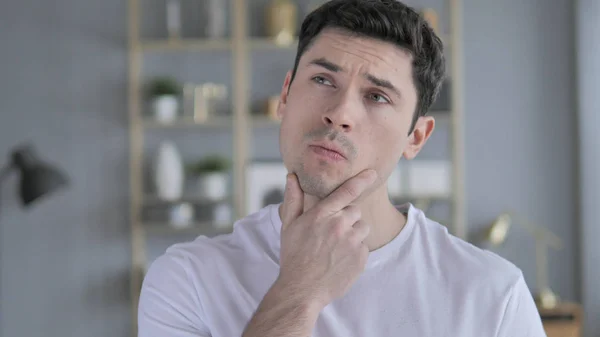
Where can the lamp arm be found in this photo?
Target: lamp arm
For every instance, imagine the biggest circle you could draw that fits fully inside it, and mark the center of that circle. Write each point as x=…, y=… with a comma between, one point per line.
x=540, y=233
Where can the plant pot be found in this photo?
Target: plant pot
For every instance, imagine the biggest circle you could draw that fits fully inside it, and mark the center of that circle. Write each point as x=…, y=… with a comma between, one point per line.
x=165, y=108
x=213, y=186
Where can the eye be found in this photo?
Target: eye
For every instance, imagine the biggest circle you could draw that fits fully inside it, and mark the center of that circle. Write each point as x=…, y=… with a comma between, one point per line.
x=322, y=80
x=378, y=98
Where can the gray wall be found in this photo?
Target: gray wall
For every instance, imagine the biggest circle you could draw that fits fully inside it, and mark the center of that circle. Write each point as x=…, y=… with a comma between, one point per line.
x=588, y=82
x=63, y=63
x=63, y=84
x=520, y=126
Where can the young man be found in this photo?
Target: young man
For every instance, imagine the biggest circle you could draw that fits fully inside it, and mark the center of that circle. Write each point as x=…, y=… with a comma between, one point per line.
x=336, y=258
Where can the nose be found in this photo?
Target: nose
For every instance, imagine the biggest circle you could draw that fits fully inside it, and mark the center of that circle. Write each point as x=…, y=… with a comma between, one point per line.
x=341, y=116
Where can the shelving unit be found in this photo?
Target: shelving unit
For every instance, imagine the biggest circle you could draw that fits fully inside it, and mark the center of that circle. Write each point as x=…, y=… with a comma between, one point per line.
x=239, y=46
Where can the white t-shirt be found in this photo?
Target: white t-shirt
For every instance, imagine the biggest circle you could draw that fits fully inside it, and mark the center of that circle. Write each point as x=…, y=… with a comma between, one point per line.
x=424, y=283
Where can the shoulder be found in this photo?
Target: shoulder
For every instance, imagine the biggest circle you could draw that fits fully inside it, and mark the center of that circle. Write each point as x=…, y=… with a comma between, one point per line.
x=250, y=236
x=178, y=281
x=463, y=262
x=253, y=237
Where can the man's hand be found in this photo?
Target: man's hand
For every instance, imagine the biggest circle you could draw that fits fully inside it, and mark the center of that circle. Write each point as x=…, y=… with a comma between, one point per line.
x=322, y=250
x=322, y=254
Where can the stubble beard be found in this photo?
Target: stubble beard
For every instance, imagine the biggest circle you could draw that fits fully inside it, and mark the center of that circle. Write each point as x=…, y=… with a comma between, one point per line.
x=317, y=183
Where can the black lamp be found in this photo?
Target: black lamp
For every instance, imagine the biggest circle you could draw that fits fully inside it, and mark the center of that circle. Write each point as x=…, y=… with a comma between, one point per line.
x=37, y=177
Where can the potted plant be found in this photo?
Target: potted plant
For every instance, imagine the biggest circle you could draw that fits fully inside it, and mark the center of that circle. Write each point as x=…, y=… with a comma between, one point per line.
x=211, y=175
x=164, y=93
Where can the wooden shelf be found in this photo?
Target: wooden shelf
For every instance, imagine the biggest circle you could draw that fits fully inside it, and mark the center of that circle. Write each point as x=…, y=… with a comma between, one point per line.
x=220, y=122
x=268, y=43
x=196, y=228
x=150, y=200
x=188, y=122
x=186, y=44
x=264, y=121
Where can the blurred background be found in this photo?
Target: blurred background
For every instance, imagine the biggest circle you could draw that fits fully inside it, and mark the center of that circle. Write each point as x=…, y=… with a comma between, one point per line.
x=130, y=125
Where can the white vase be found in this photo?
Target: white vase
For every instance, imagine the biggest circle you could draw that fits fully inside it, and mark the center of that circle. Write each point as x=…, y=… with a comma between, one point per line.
x=213, y=186
x=165, y=108
x=168, y=174
x=215, y=19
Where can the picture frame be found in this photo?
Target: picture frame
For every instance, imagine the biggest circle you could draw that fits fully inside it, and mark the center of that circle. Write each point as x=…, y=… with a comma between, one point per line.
x=265, y=184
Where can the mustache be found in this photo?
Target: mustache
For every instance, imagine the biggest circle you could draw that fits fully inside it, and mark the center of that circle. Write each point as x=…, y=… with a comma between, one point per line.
x=333, y=136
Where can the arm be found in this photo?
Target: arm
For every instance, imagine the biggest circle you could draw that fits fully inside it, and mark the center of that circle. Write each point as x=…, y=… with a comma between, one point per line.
x=283, y=313
x=169, y=306
x=521, y=317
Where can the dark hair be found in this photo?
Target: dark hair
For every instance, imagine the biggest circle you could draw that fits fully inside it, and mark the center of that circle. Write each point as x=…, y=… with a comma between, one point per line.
x=390, y=21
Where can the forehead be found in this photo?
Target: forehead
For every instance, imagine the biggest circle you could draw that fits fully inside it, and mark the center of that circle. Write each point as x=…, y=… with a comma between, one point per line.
x=360, y=54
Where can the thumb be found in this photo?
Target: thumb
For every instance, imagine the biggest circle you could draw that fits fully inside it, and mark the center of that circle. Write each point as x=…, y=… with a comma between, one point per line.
x=293, y=200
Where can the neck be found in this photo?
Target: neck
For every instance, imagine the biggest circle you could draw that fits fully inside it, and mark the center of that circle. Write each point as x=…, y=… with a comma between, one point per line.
x=377, y=210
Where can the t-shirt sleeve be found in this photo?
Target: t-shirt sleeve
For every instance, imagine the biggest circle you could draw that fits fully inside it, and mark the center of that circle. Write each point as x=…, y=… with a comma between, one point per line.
x=521, y=317
x=169, y=305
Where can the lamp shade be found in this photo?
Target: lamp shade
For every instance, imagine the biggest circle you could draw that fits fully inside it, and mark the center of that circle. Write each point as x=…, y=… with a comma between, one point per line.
x=498, y=231
x=37, y=178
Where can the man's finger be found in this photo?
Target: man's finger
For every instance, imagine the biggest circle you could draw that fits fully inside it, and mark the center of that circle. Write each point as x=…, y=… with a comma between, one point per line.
x=349, y=191
x=293, y=200
x=360, y=232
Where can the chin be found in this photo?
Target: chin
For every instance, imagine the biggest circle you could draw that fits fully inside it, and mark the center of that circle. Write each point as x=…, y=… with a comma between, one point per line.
x=317, y=183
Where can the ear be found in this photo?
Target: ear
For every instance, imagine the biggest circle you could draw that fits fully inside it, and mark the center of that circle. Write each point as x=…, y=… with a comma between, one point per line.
x=417, y=139
x=285, y=91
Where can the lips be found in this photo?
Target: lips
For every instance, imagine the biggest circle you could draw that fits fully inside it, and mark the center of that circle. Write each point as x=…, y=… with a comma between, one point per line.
x=330, y=147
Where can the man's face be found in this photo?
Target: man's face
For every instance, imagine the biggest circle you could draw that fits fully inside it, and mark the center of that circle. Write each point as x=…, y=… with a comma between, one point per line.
x=349, y=108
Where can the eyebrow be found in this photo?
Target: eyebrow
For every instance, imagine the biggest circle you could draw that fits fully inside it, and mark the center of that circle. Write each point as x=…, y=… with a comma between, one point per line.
x=323, y=62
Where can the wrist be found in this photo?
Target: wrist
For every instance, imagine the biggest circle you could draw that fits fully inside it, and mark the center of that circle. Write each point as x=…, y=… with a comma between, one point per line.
x=296, y=296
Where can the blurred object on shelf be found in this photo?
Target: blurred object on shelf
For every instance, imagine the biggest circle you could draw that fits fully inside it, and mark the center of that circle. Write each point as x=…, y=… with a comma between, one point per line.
x=420, y=178
x=497, y=234
x=427, y=178
x=163, y=93
x=215, y=18
x=209, y=100
x=174, y=19
x=168, y=172
x=181, y=215
x=272, y=105
x=265, y=183
x=211, y=176
x=281, y=21
x=565, y=320
x=189, y=92
x=222, y=215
